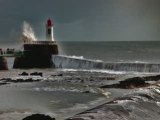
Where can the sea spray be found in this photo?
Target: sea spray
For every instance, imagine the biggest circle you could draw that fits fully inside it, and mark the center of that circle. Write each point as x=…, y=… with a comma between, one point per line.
x=28, y=34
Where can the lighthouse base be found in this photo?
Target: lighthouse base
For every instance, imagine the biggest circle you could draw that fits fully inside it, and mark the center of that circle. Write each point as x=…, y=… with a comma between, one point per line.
x=33, y=62
x=37, y=55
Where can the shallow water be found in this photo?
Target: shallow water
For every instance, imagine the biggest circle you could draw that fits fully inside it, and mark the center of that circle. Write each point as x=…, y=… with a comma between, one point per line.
x=52, y=95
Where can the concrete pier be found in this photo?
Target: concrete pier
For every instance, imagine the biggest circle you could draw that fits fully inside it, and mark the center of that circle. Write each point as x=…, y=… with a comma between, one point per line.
x=37, y=54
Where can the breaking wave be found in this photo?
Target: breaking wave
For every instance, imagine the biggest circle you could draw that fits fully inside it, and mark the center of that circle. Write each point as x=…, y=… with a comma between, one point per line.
x=140, y=105
x=28, y=34
x=82, y=63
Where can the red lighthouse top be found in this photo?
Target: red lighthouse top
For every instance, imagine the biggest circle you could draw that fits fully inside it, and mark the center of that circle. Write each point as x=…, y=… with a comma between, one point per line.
x=49, y=23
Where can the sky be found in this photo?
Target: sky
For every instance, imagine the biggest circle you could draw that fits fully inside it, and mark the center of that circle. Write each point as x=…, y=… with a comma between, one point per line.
x=83, y=20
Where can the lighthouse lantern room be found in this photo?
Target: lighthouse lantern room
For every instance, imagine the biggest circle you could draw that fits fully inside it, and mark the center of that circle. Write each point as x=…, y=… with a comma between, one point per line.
x=49, y=30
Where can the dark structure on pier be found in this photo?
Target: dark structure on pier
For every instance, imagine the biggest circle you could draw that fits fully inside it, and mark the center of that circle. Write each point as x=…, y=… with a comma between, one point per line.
x=38, y=54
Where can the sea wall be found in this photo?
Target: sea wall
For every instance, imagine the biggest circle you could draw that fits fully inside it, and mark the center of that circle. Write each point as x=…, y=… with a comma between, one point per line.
x=81, y=63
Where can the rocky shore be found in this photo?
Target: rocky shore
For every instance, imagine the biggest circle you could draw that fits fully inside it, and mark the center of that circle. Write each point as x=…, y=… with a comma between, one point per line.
x=135, y=82
x=143, y=103
x=140, y=105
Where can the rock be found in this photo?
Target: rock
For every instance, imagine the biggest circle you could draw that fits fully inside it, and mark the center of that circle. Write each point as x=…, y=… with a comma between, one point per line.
x=135, y=106
x=38, y=117
x=152, y=78
x=60, y=74
x=133, y=83
x=57, y=75
x=110, y=78
x=19, y=80
x=25, y=80
x=24, y=74
x=129, y=83
x=86, y=91
x=37, y=74
x=82, y=81
x=6, y=79
x=3, y=83
x=31, y=80
x=3, y=63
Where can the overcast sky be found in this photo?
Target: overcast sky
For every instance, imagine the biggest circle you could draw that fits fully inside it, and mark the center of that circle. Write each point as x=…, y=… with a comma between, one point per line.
x=83, y=20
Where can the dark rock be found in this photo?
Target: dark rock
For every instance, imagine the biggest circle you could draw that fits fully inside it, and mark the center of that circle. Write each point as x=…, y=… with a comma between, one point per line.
x=3, y=83
x=24, y=74
x=24, y=80
x=110, y=78
x=152, y=78
x=31, y=80
x=57, y=75
x=60, y=74
x=133, y=83
x=82, y=81
x=129, y=83
x=91, y=80
x=86, y=91
x=38, y=117
x=37, y=74
x=6, y=79
x=19, y=80
x=109, y=86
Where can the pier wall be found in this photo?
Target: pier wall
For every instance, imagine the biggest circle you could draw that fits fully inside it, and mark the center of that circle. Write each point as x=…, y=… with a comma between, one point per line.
x=37, y=56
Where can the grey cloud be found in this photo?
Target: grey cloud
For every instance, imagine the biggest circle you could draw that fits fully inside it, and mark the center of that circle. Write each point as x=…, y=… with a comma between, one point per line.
x=103, y=20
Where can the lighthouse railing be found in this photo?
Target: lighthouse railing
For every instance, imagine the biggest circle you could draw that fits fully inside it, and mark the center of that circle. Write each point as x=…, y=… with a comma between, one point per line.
x=40, y=42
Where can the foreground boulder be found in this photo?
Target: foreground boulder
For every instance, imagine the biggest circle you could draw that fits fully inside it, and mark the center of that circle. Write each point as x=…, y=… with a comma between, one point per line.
x=129, y=83
x=135, y=82
x=39, y=117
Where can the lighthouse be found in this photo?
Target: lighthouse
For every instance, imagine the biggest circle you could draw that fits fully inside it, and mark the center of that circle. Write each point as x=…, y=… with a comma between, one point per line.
x=49, y=30
x=38, y=54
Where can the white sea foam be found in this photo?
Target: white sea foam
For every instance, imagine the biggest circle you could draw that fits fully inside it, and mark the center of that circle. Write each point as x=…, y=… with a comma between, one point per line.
x=28, y=77
x=61, y=89
x=96, y=71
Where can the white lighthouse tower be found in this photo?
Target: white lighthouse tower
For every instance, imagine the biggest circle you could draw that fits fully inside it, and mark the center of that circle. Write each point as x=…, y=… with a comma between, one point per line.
x=49, y=30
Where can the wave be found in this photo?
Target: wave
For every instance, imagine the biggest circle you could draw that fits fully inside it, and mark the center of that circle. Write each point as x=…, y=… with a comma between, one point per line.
x=82, y=89
x=70, y=62
x=140, y=105
x=49, y=89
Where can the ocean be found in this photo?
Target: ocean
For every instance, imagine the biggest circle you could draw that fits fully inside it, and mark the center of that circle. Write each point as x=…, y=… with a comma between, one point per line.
x=128, y=51
x=74, y=85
